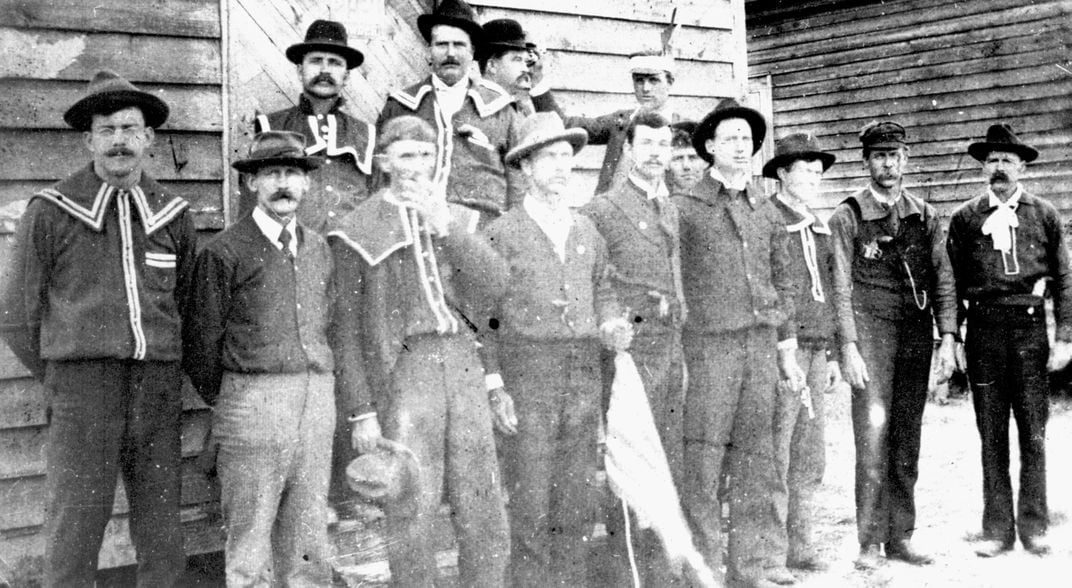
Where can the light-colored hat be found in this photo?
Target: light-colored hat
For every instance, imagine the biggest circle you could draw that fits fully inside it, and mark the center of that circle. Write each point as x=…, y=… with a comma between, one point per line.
x=542, y=129
x=649, y=62
x=389, y=475
x=108, y=93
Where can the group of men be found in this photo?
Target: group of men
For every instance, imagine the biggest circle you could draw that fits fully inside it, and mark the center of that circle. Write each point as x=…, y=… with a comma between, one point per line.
x=413, y=311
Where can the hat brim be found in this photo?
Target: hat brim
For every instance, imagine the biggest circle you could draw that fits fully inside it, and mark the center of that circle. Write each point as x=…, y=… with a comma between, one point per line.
x=401, y=493
x=295, y=53
x=425, y=22
x=706, y=129
x=770, y=169
x=981, y=150
x=153, y=109
x=577, y=138
x=249, y=166
x=491, y=47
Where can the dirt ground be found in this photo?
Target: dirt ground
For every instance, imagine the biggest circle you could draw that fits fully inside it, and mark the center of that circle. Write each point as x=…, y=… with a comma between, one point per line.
x=948, y=504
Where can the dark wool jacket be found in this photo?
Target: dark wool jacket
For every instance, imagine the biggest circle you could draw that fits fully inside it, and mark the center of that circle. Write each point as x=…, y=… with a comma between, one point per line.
x=94, y=274
x=346, y=144
x=1041, y=251
x=472, y=147
x=380, y=293
x=644, y=253
x=735, y=262
x=547, y=300
x=257, y=312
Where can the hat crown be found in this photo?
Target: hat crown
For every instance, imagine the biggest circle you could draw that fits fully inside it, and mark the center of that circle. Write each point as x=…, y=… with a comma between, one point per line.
x=541, y=124
x=277, y=144
x=504, y=30
x=458, y=9
x=1001, y=133
x=326, y=31
x=107, y=80
x=796, y=143
x=882, y=133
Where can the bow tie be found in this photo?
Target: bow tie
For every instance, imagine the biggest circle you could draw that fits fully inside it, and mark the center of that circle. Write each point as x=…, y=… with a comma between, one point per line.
x=999, y=226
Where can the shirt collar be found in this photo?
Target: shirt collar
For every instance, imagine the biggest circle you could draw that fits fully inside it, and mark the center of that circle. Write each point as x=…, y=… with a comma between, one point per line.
x=460, y=87
x=874, y=207
x=272, y=229
x=306, y=106
x=717, y=176
x=1012, y=202
x=651, y=191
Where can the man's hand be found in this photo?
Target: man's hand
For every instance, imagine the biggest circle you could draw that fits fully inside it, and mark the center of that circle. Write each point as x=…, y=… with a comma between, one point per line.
x=430, y=202
x=833, y=375
x=947, y=358
x=616, y=334
x=366, y=434
x=790, y=371
x=1059, y=355
x=502, y=411
x=855, y=371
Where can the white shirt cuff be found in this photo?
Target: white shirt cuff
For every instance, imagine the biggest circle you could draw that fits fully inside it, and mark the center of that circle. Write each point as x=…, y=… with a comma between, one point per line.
x=788, y=344
x=493, y=381
x=540, y=89
x=360, y=417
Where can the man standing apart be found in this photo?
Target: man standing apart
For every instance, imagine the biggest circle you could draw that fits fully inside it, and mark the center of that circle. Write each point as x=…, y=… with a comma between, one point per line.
x=474, y=120
x=546, y=334
x=1004, y=245
x=92, y=305
x=892, y=282
x=799, y=446
x=410, y=274
x=653, y=78
x=259, y=353
x=640, y=227
x=738, y=285
x=344, y=144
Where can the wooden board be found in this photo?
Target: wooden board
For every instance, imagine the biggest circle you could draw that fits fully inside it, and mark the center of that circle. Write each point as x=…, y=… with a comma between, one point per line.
x=71, y=55
x=595, y=72
x=40, y=104
x=47, y=155
x=191, y=18
x=703, y=13
x=576, y=103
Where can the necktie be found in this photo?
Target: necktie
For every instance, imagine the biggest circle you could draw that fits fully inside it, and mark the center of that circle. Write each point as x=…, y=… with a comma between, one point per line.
x=284, y=240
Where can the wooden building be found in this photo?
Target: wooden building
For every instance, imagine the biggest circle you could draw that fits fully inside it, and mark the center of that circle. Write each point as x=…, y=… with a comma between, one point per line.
x=945, y=70
x=217, y=62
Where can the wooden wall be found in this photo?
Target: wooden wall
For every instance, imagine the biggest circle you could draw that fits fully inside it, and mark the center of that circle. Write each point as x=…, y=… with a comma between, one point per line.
x=50, y=50
x=586, y=44
x=945, y=70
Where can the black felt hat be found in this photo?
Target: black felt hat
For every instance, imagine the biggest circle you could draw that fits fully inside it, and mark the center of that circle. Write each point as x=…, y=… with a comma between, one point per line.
x=455, y=13
x=108, y=93
x=277, y=148
x=727, y=109
x=329, y=36
x=505, y=34
x=1001, y=138
x=793, y=147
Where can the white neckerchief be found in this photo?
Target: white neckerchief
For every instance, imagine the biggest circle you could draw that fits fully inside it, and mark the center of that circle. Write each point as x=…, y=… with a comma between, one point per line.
x=450, y=98
x=1001, y=226
x=652, y=191
x=806, y=228
x=717, y=175
x=554, y=222
x=272, y=229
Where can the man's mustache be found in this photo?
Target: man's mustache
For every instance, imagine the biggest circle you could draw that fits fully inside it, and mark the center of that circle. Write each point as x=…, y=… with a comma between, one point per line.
x=119, y=151
x=281, y=194
x=450, y=61
x=323, y=77
x=999, y=176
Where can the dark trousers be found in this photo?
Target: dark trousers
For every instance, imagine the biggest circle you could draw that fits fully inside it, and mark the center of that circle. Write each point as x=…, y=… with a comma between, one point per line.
x=439, y=409
x=551, y=462
x=1007, y=352
x=800, y=457
x=659, y=360
x=729, y=407
x=887, y=415
x=110, y=417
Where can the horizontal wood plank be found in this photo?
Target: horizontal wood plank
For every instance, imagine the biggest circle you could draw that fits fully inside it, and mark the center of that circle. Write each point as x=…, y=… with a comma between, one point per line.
x=40, y=104
x=69, y=55
x=575, y=103
x=555, y=31
x=594, y=72
x=190, y=18
x=50, y=155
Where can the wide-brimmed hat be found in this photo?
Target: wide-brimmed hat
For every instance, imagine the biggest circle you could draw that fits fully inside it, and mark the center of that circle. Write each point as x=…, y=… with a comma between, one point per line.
x=329, y=36
x=107, y=93
x=455, y=13
x=1001, y=138
x=505, y=34
x=793, y=147
x=389, y=475
x=728, y=108
x=541, y=129
x=277, y=148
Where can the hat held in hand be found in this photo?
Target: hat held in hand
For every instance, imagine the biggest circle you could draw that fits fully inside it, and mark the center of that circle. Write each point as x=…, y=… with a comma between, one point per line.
x=387, y=476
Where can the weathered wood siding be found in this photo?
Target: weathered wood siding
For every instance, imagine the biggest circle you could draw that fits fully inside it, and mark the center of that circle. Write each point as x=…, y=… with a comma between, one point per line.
x=50, y=50
x=586, y=44
x=945, y=70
